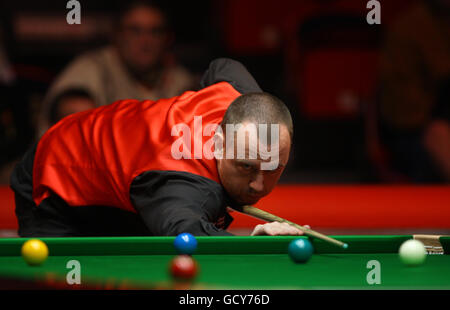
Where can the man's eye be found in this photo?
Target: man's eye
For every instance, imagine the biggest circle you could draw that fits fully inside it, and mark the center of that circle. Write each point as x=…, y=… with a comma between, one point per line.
x=247, y=166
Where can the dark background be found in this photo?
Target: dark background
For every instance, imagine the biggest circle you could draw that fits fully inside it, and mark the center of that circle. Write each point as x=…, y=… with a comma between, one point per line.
x=271, y=38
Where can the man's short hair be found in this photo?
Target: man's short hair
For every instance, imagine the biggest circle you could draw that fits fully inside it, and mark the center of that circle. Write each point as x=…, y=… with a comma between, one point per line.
x=258, y=108
x=124, y=7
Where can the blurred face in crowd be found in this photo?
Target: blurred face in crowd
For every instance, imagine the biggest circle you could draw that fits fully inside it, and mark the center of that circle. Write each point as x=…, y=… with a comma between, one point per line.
x=142, y=38
x=244, y=180
x=73, y=105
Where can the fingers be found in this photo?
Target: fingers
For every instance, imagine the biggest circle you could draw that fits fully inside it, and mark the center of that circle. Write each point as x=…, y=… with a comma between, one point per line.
x=291, y=230
x=276, y=229
x=273, y=229
x=258, y=231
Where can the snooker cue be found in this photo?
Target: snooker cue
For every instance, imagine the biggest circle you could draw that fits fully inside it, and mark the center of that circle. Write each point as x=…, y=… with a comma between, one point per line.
x=266, y=216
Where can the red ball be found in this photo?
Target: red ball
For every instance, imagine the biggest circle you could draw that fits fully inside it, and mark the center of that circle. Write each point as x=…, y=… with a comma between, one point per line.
x=183, y=267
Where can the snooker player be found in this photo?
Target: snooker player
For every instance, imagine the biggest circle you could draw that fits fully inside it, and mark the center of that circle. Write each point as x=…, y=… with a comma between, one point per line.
x=111, y=171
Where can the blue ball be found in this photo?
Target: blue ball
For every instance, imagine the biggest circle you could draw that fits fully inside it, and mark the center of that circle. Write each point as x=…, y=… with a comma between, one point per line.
x=300, y=250
x=185, y=243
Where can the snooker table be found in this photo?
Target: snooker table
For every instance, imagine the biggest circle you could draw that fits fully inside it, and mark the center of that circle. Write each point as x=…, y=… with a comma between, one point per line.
x=236, y=262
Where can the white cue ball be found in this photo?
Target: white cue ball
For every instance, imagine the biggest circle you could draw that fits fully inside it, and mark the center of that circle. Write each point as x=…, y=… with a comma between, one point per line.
x=412, y=252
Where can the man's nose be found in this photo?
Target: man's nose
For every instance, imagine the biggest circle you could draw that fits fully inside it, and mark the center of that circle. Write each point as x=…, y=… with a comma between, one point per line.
x=257, y=184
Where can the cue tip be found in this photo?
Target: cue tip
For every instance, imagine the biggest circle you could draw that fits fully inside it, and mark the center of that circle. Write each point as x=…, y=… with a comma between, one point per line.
x=345, y=245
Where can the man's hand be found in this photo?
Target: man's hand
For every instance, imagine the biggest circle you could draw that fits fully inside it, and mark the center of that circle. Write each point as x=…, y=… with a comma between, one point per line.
x=276, y=229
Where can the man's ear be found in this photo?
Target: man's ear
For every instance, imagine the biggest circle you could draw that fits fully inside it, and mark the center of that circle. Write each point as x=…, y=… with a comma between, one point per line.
x=218, y=144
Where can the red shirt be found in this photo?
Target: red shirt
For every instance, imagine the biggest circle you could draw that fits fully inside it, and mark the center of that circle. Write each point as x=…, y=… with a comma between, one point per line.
x=92, y=157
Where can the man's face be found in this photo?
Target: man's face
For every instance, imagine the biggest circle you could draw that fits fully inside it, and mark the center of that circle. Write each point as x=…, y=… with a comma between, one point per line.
x=73, y=105
x=245, y=180
x=142, y=38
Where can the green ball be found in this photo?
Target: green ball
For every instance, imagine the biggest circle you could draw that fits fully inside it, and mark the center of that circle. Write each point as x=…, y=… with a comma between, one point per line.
x=300, y=250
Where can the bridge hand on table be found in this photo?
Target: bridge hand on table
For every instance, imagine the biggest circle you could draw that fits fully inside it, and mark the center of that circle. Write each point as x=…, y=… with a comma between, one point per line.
x=276, y=229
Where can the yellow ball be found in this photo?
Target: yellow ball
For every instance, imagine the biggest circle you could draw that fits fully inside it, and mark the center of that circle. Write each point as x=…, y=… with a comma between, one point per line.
x=34, y=252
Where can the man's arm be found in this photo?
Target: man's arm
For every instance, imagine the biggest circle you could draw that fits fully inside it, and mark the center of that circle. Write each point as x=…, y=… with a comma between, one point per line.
x=231, y=71
x=174, y=202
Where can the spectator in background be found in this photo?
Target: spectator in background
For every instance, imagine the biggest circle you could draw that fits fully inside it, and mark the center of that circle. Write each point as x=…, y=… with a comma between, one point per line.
x=8, y=132
x=15, y=128
x=414, y=106
x=136, y=66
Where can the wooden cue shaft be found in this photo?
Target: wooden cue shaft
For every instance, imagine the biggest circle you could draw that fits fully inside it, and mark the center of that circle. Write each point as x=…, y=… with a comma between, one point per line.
x=266, y=216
